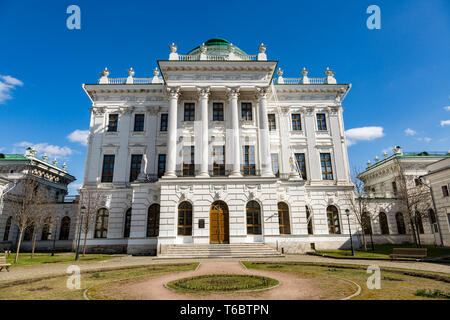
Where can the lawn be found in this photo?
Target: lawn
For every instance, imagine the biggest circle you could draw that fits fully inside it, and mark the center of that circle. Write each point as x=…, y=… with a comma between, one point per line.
x=381, y=252
x=55, y=288
x=395, y=284
x=46, y=258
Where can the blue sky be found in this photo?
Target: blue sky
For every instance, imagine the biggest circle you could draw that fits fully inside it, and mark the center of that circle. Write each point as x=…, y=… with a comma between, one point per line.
x=400, y=74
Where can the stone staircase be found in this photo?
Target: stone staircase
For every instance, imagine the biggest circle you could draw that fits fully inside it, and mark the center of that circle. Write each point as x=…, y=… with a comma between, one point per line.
x=204, y=251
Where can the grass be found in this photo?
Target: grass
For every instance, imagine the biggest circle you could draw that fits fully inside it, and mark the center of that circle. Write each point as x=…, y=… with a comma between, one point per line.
x=46, y=258
x=396, y=284
x=55, y=288
x=380, y=252
x=436, y=293
x=222, y=283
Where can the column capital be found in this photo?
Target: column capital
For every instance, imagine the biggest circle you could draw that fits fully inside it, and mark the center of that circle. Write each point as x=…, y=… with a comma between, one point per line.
x=261, y=92
x=233, y=92
x=203, y=92
x=173, y=92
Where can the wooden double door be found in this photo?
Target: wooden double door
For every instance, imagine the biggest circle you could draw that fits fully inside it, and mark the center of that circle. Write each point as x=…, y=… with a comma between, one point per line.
x=219, y=223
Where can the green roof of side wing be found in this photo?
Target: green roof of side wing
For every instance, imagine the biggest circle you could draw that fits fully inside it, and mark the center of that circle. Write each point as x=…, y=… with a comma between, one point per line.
x=12, y=157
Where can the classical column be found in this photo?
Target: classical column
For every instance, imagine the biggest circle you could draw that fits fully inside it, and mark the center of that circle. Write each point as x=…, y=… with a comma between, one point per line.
x=266, y=163
x=233, y=94
x=172, y=132
x=203, y=94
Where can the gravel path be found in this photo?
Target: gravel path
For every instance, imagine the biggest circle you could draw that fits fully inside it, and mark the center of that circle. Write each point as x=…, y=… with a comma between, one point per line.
x=27, y=272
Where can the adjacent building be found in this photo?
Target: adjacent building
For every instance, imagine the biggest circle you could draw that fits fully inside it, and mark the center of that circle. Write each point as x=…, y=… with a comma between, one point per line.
x=61, y=225
x=389, y=223
x=438, y=178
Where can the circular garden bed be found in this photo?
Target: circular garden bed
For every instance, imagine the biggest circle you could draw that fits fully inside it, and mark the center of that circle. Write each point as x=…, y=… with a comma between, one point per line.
x=223, y=283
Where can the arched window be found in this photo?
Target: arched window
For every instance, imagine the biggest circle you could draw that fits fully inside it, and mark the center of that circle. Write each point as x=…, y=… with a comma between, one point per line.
x=7, y=229
x=283, y=218
x=383, y=223
x=46, y=232
x=185, y=219
x=432, y=216
x=28, y=231
x=419, y=223
x=253, y=217
x=309, y=221
x=101, y=223
x=400, y=223
x=65, y=229
x=366, y=223
x=127, y=224
x=334, y=226
x=153, y=220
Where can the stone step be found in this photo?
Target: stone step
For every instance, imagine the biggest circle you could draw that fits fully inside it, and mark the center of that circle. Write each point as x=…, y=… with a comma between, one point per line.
x=238, y=250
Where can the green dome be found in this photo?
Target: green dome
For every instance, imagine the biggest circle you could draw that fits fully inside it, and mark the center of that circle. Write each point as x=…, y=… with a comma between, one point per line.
x=216, y=46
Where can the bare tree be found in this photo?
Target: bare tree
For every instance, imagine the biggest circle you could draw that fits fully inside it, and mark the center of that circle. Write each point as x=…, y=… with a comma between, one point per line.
x=92, y=202
x=40, y=217
x=359, y=203
x=415, y=199
x=26, y=204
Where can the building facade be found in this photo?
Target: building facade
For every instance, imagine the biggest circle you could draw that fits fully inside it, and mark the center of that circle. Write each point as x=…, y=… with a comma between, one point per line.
x=213, y=149
x=389, y=223
x=438, y=178
x=59, y=230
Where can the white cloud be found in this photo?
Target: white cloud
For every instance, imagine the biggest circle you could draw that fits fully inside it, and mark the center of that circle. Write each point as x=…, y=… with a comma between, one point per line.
x=7, y=84
x=79, y=136
x=410, y=132
x=41, y=148
x=363, y=134
x=75, y=186
x=447, y=108
x=445, y=123
x=426, y=139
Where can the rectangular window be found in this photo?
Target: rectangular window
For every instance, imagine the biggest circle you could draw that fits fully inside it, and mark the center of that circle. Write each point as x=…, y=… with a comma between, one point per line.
x=321, y=122
x=108, y=167
x=188, y=161
x=325, y=162
x=139, y=122
x=112, y=122
x=161, y=165
x=249, y=161
x=296, y=122
x=272, y=122
x=189, y=112
x=246, y=109
x=394, y=188
x=275, y=168
x=445, y=191
x=217, y=111
x=218, y=160
x=301, y=164
x=164, y=122
x=135, y=168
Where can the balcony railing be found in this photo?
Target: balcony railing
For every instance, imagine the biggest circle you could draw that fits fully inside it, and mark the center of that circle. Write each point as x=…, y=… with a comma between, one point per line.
x=208, y=57
x=300, y=81
x=124, y=80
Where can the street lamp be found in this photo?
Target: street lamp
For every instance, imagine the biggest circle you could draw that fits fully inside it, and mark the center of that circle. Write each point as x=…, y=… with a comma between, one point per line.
x=435, y=210
x=347, y=212
x=82, y=210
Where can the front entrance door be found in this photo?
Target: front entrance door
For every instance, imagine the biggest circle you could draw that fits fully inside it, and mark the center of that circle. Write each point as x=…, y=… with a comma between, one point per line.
x=219, y=223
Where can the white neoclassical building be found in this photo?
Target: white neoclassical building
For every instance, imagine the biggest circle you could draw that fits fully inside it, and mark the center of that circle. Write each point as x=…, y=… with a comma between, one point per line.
x=213, y=149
